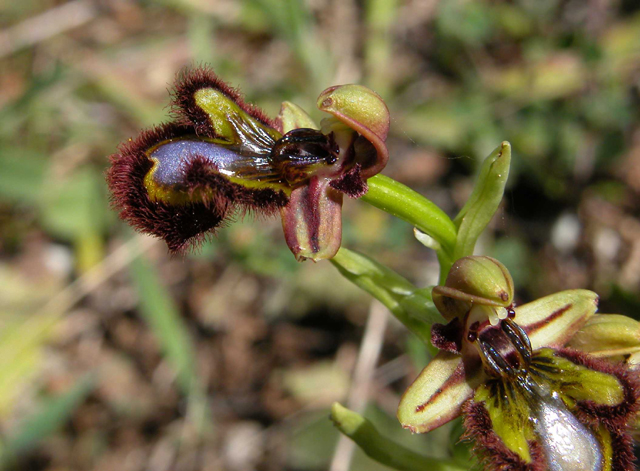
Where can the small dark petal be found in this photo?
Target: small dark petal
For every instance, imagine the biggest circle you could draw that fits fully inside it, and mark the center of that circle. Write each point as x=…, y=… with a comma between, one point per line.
x=489, y=447
x=188, y=113
x=447, y=337
x=179, y=225
x=351, y=183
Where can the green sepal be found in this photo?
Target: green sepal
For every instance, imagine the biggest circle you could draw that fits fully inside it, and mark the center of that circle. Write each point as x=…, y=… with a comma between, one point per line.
x=607, y=335
x=475, y=280
x=411, y=306
x=487, y=193
x=552, y=321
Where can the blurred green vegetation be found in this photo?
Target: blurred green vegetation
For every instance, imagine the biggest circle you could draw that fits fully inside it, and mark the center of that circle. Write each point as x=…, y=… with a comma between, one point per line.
x=186, y=355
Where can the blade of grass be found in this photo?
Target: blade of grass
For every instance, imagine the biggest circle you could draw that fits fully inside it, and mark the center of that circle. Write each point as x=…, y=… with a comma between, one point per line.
x=163, y=316
x=49, y=416
x=292, y=20
x=380, y=16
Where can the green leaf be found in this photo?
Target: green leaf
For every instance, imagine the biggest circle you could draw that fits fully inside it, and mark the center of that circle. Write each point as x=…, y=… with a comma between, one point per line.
x=484, y=200
x=381, y=449
x=22, y=172
x=49, y=416
x=411, y=306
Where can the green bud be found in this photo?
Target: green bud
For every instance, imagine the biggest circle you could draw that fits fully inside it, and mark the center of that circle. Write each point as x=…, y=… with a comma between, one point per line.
x=474, y=280
x=484, y=200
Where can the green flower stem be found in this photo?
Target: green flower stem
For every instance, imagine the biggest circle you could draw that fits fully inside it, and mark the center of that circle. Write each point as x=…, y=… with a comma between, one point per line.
x=400, y=201
x=381, y=449
x=410, y=305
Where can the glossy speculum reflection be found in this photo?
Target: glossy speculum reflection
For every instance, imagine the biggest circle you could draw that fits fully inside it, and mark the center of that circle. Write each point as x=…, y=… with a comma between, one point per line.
x=289, y=161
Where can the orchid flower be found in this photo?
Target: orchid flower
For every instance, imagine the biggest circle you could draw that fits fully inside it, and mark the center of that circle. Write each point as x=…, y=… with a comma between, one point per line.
x=180, y=181
x=528, y=403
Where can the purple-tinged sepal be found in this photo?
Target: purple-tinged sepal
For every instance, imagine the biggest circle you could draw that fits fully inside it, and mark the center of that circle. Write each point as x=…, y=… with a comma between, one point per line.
x=312, y=221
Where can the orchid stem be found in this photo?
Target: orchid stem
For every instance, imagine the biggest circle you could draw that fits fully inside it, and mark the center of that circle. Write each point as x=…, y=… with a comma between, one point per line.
x=401, y=201
x=380, y=448
x=410, y=305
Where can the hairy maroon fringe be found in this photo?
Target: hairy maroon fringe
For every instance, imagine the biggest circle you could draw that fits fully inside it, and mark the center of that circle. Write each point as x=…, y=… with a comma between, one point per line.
x=623, y=456
x=488, y=446
x=351, y=183
x=181, y=226
x=199, y=174
x=188, y=113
